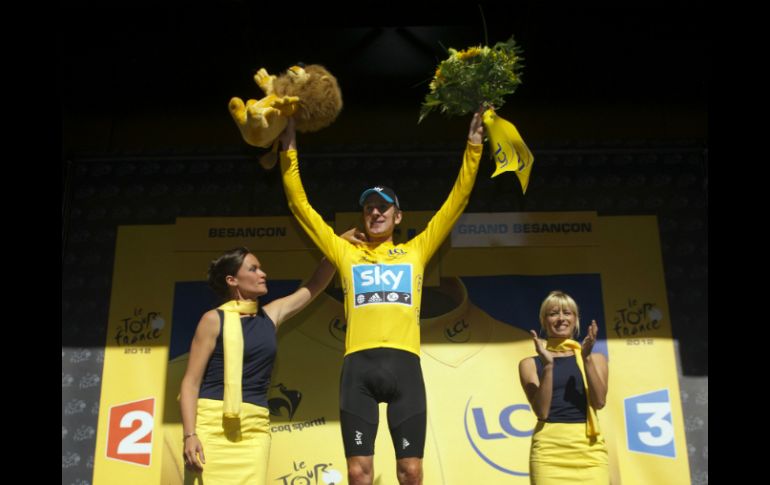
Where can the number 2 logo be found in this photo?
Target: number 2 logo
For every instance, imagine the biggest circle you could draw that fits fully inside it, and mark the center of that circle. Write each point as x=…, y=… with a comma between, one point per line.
x=129, y=436
x=649, y=425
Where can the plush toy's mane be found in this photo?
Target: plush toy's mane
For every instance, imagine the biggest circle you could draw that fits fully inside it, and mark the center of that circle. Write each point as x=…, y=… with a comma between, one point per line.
x=319, y=95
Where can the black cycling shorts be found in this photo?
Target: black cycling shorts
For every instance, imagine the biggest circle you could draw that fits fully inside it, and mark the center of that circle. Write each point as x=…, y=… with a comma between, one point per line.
x=380, y=375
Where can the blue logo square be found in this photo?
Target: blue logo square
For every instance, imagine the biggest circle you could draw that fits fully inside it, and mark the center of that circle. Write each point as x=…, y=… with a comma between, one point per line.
x=649, y=427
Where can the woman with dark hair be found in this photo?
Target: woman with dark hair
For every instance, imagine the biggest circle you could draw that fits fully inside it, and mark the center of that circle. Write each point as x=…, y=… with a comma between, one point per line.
x=223, y=395
x=565, y=384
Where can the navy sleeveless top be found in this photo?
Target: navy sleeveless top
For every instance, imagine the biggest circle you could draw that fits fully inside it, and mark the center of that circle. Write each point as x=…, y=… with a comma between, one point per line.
x=259, y=349
x=569, y=403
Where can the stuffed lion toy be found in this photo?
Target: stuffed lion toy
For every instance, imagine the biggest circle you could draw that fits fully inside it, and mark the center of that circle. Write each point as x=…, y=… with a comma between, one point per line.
x=309, y=93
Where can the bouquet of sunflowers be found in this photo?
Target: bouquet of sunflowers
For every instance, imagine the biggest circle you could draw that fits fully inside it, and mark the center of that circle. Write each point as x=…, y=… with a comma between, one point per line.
x=472, y=77
x=482, y=76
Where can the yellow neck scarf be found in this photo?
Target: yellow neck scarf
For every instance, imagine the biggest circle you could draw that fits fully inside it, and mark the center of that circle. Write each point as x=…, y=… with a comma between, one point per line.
x=563, y=345
x=232, y=340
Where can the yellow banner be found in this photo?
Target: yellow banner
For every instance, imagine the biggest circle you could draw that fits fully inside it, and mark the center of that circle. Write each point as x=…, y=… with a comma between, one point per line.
x=481, y=309
x=643, y=400
x=130, y=430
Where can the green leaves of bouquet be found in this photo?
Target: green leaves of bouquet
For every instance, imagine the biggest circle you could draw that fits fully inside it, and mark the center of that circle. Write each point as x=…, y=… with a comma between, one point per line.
x=472, y=77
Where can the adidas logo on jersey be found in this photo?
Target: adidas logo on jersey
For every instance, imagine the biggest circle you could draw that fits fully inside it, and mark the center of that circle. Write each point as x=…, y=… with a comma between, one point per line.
x=375, y=298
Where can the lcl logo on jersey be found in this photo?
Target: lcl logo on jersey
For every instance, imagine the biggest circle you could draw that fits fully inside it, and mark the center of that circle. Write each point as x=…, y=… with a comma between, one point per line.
x=458, y=332
x=649, y=426
x=500, y=435
x=382, y=283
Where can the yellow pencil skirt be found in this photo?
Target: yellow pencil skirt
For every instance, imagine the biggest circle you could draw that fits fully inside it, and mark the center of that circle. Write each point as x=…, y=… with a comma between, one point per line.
x=236, y=450
x=562, y=453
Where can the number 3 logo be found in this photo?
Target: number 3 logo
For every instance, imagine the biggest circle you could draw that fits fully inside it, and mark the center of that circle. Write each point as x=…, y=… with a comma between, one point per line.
x=129, y=436
x=649, y=425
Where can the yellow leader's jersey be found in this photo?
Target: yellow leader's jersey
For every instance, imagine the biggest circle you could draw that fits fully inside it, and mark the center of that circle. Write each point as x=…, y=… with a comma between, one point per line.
x=382, y=283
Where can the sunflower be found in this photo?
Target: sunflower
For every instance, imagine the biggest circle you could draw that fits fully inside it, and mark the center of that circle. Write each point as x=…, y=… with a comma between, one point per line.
x=472, y=77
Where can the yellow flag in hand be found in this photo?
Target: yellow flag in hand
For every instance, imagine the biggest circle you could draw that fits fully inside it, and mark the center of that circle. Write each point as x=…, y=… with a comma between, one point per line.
x=508, y=149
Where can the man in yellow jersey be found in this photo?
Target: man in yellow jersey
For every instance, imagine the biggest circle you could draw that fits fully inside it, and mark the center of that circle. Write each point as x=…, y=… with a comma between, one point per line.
x=382, y=284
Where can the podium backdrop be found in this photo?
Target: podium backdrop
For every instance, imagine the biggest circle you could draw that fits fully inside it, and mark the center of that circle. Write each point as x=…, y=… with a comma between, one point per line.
x=482, y=296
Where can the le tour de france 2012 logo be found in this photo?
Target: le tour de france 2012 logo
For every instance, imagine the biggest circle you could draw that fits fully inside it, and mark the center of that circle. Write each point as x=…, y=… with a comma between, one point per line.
x=139, y=329
x=637, y=319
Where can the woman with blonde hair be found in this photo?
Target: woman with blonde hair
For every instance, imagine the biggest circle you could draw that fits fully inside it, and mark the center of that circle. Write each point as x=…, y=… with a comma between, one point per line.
x=565, y=384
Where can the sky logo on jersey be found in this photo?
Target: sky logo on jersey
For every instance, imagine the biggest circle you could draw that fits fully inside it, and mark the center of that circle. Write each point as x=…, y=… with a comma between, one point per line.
x=649, y=427
x=500, y=435
x=382, y=283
